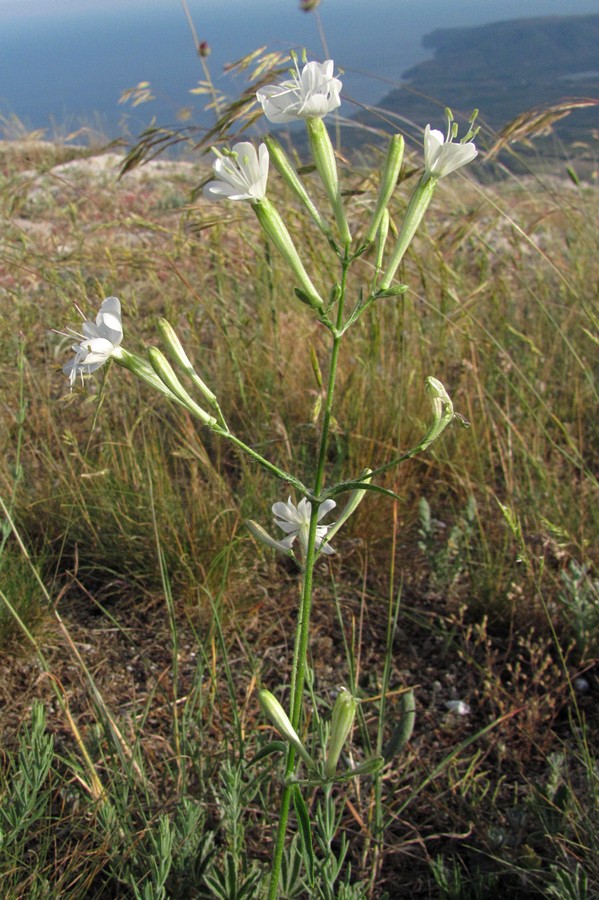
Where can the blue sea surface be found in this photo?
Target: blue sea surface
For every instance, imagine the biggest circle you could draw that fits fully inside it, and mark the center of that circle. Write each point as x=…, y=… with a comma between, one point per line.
x=66, y=65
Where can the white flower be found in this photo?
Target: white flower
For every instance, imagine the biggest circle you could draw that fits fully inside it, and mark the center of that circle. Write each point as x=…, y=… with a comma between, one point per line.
x=295, y=522
x=442, y=157
x=310, y=94
x=100, y=341
x=242, y=174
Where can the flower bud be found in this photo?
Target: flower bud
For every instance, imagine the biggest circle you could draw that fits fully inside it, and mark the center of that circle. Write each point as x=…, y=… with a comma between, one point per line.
x=143, y=370
x=442, y=405
x=282, y=164
x=165, y=373
x=324, y=159
x=417, y=207
x=276, y=230
x=273, y=710
x=443, y=412
x=263, y=536
x=344, y=713
x=388, y=181
x=354, y=500
x=381, y=240
x=178, y=354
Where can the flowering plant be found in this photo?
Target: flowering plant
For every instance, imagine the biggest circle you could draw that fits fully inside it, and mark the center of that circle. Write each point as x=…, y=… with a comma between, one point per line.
x=242, y=175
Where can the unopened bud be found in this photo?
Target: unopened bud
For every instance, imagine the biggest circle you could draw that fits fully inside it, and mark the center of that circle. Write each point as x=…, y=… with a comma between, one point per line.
x=417, y=207
x=283, y=165
x=354, y=500
x=165, y=373
x=276, y=230
x=324, y=159
x=344, y=713
x=274, y=711
x=441, y=401
x=178, y=354
x=389, y=178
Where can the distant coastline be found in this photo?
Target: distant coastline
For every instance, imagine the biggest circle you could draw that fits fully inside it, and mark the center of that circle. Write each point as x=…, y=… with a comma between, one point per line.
x=62, y=71
x=503, y=69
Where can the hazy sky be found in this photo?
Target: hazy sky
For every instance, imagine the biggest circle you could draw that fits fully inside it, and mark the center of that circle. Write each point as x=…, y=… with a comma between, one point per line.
x=28, y=8
x=15, y=9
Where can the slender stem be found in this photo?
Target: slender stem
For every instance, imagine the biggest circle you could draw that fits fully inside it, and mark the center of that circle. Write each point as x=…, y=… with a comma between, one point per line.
x=265, y=463
x=300, y=655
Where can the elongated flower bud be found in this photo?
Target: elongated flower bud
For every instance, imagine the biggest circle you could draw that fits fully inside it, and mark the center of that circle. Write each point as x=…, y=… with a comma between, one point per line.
x=143, y=370
x=263, y=536
x=417, y=207
x=324, y=159
x=389, y=178
x=276, y=230
x=344, y=713
x=442, y=408
x=381, y=239
x=178, y=354
x=274, y=711
x=165, y=372
x=355, y=498
x=283, y=165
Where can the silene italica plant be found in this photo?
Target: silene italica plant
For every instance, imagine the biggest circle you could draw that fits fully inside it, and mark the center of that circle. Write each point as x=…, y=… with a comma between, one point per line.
x=241, y=175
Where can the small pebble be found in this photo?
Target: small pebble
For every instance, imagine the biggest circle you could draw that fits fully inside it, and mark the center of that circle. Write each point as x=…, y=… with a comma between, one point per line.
x=458, y=707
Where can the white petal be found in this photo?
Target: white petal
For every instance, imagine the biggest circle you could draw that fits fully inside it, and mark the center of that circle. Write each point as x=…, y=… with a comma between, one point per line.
x=433, y=143
x=242, y=176
x=326, y=548
x=325, y=508
x=109, y=321
x=454, y=156
x=98, y=349
x=285, y=511
x=287, y=527
x=309, y=94
x=220, y=189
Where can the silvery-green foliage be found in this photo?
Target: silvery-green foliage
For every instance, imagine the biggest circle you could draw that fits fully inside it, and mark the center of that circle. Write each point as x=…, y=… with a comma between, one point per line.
x=580, y=596
x=25, y=793
x=568, y=885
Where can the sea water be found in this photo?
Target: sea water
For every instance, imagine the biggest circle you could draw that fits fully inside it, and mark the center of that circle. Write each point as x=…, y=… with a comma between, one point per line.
x=65, y=64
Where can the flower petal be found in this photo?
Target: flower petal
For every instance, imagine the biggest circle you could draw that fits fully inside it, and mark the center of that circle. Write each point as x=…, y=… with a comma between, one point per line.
x=442, y=157
x=242, y=175
x=310, y=94
x=109, y=321
x=325, y=508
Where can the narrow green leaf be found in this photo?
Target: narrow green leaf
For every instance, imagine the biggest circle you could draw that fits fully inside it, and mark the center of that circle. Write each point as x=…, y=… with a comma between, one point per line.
x=305, y=831
x=268, y=750
x=402, y=733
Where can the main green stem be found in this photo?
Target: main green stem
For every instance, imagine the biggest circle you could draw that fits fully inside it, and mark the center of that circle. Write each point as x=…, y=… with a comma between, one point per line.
x=302, y=636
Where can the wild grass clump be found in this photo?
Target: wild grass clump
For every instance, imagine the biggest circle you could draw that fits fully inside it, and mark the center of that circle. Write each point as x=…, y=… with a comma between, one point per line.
x=148, y=615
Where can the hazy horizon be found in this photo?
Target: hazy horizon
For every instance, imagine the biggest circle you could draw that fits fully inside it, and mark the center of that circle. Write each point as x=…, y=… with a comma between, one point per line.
x=69, y=63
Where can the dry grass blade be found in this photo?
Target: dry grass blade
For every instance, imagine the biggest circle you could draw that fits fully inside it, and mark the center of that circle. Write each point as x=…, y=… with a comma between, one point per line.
x=536, y=122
